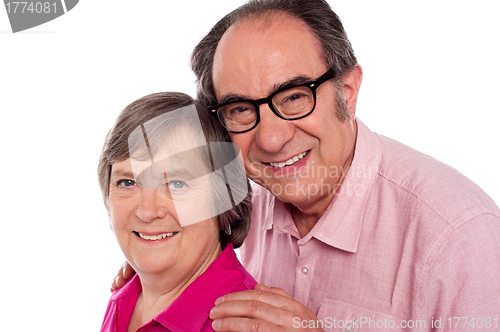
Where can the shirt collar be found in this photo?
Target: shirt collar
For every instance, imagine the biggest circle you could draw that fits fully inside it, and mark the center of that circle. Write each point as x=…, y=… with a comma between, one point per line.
x=125, y=299
x=340, y=225
x=282, y=219
x=189, y=312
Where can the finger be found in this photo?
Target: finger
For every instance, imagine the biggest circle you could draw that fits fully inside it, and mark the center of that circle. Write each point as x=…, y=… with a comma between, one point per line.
x=241, y=324
x=275, y=290
x=260, y=295
x=124, y=273
x=127, y=271
x=252, y=309
x=113, y=285
x=120, y=282
x=117, y=283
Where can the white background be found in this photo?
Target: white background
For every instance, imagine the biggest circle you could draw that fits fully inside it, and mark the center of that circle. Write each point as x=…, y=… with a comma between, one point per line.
x=431, y=80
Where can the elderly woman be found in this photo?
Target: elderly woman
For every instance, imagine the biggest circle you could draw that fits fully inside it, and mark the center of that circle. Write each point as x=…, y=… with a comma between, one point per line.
x=178, y=203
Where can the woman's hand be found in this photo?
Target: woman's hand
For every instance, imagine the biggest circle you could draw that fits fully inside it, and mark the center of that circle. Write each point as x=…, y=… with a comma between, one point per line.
x=261, y=309
x=124, y=273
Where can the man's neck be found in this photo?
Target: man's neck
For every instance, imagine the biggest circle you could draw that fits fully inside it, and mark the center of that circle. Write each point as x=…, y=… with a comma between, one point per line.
x=303, y=222
x=306, y=220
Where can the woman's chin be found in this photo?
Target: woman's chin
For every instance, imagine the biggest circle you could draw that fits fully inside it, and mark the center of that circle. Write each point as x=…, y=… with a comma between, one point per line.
x=152, y=268
x=150, y=262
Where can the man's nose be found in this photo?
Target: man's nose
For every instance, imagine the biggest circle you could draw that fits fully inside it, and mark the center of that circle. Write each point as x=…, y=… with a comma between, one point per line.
x=272, y=132
x=153, y=206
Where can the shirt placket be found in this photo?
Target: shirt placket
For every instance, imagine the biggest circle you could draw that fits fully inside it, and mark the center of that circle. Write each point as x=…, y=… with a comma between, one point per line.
x=304, y=273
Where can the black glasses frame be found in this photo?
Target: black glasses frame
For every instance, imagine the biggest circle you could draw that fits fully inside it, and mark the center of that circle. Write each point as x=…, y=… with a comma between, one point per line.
x=313, y=85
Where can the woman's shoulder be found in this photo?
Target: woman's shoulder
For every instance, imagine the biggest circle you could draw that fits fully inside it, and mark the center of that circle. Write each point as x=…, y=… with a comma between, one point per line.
x=247, y=280
x=228, y=268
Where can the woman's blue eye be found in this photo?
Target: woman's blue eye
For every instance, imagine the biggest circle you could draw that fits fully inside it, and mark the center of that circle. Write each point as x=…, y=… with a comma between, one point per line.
x=177, y=185
x=126, y=183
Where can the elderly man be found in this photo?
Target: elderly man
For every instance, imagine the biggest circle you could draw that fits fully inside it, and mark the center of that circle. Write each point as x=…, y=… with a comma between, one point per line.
x=352, y=230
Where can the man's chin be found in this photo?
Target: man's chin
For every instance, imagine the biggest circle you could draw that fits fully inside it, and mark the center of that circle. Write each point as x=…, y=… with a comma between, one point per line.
x=298, y=192
x=289, y=192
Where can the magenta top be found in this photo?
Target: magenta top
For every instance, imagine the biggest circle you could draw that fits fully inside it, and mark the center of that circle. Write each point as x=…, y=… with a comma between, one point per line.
x=189, y=312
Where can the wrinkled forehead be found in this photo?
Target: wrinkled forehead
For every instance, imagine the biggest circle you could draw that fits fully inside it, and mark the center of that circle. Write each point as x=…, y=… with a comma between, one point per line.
x=286, y=48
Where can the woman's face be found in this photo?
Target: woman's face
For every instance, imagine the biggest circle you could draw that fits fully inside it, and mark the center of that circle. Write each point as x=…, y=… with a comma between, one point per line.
x=161, y=213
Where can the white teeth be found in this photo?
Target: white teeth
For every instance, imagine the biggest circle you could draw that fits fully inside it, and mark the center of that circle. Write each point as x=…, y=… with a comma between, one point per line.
x=156, y=237
x=290, y=161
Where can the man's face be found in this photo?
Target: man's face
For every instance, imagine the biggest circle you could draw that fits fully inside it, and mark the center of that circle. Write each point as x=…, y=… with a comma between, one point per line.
x=251, y=61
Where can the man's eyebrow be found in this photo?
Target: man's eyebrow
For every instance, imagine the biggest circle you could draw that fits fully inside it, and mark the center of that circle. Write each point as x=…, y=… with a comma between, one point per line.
x=288, y=84
x=232, y=97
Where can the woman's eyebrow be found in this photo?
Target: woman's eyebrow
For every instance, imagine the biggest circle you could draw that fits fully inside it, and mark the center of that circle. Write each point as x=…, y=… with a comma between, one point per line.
x=122, y=173
x=191, y=172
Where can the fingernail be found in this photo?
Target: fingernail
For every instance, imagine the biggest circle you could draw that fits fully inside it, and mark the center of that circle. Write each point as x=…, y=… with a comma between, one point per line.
x=220, y=300
x=216, y=324
x=116, y=281
x=212, y=312
x=124, y=269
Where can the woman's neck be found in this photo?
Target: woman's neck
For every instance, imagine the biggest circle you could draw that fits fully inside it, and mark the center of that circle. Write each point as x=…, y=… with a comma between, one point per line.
x=160, y=290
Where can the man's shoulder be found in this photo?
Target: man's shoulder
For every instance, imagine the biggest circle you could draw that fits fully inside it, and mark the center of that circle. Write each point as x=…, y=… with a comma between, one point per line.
x=440, y=187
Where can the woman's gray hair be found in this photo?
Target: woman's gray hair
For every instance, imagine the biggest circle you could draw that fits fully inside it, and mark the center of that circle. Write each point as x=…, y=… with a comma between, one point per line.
x=234, y=223
x=316, y=14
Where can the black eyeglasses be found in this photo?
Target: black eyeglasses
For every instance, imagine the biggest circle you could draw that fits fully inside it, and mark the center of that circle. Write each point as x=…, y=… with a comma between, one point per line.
x=290, y=103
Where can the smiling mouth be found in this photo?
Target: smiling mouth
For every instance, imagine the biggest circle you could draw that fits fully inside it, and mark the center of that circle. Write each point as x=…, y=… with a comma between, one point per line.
x=155, y=237
x=290, y=161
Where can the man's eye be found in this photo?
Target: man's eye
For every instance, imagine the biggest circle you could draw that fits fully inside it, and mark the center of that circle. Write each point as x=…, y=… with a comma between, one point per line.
x=293, y=98
x=238, y=111
x=242, y=113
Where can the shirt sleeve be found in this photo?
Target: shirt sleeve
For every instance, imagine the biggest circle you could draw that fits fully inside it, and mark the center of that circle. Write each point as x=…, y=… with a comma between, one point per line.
x=462, y=288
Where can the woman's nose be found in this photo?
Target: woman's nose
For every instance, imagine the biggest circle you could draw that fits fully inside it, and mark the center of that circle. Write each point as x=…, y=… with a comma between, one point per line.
x=152, y=206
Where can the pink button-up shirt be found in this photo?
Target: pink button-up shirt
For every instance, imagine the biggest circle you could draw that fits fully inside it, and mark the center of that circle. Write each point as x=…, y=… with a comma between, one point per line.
x=408, y=242
x=189, y=312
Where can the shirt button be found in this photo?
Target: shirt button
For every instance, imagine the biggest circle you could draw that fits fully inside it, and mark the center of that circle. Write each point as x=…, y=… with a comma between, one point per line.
x=349, y=328
x=305, y=270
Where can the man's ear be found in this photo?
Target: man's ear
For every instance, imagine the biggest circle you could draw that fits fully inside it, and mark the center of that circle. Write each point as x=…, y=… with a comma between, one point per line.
x=352, y=84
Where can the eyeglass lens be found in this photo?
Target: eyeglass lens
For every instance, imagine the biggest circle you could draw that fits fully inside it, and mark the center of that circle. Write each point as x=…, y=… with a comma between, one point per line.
x=291, y=103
